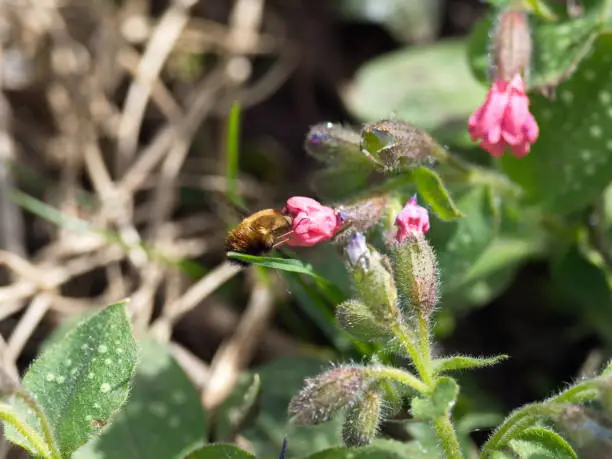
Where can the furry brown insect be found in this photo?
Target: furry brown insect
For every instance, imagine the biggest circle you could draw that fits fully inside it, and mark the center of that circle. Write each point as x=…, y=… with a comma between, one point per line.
x=258, y=233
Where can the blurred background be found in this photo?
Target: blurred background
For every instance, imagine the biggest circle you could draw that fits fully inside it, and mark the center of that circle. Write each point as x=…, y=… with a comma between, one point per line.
x=115, y=153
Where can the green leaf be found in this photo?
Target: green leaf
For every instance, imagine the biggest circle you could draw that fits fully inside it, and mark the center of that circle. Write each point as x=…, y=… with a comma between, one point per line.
x=431, y=189
x=238, y=409
x=220, y=452
x=539, y=443
x=460, y=243
x=284, y=264
x=463, y=362
x=439, y=402
x=381, y=449
x=571, y=162
x=559, y=48
x=406, y=20
x=426, y=85
x=162, y=419
x=81, y=380
x=232, y=154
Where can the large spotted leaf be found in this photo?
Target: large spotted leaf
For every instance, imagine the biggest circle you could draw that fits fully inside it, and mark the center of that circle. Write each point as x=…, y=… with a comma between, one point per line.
x=81, y=380
x=571, y=162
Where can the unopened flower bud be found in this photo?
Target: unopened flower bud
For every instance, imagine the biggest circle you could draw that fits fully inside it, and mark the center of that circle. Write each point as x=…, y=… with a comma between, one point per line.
x=415, y=264
x=511, y=51
x=362, y=420
x=334, y=144
x=357, y=251
x=326, y=394
x=589, y=431
x=412, y=220
x=357, y=319
x=398, y=145
x=374, y=285
x=359, y=216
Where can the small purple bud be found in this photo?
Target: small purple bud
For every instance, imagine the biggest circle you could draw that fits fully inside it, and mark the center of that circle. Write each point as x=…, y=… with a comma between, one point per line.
x=326, y=394
x=357, y=251
x=334, y=144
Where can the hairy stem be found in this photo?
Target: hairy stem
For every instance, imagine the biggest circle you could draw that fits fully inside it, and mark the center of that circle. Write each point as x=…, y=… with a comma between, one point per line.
x=448, y=437
x=42, y=419
x=415, y=354
x=40, y=447
x=401, y=376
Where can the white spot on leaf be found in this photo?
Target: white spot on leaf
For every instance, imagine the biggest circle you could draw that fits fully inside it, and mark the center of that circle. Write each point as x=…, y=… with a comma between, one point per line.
x=105, y=387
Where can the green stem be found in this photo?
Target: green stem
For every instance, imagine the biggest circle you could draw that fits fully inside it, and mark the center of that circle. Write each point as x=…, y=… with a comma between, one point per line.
x=43, y=420
x=420, y=363
x=517, y=421
x=424, y=349
x=401, y=376
x=448, y=437
x=40, y=447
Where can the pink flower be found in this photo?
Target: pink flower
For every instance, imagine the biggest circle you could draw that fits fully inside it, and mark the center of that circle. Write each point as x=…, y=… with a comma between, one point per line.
x=412, y=220
x=504, y=120
x=312, y=222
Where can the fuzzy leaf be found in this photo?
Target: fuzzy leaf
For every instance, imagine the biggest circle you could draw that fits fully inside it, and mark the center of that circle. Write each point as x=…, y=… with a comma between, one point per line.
x=81, y=381
x=427, y=85
x=439, y=402
x=463, y=362
x=539, y=443
x=163, y=418
x=220, y=451
x=387, y=449
x=571, y=162
x=432, y=190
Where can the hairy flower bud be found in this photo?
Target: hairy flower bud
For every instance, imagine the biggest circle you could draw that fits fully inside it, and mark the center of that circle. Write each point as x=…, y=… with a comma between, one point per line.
x=399, y=145
x=326, y=394
x=359, y=216
x=357, y=319
x=373, y=283
x=588, y=430
x=334, y=144
x=415, y=264
x=362, y=420
x=511, y=47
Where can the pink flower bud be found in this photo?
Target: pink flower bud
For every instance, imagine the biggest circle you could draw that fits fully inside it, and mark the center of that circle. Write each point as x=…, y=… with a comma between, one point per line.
x=511, y=53
x=413, y=219
x=311, y=223
x=504, y=119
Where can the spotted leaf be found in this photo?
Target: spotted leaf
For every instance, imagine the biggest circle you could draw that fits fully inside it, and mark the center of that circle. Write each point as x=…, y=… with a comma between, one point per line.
x=571, y=162
x=163, y=418
x=81, y=380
